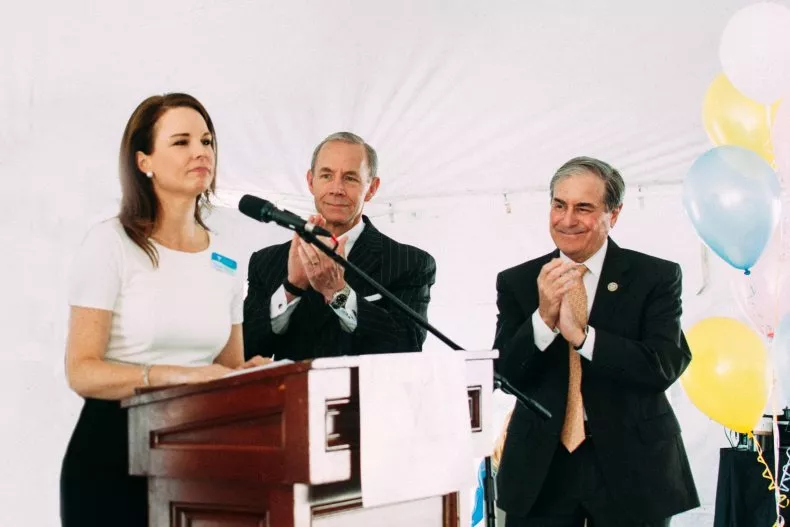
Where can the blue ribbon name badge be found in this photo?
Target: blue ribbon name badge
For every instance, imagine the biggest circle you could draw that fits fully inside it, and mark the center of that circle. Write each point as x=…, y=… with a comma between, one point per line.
x=223, y=263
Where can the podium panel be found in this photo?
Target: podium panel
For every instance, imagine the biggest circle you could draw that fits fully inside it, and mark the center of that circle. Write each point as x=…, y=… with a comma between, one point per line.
x=202, y=504
x=278, y=447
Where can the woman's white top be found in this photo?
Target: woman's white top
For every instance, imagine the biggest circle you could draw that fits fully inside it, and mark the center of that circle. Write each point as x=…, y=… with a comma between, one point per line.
x=178, y=313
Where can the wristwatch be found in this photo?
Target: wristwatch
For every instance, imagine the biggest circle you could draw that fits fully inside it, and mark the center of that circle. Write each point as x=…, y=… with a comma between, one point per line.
x=340, y=298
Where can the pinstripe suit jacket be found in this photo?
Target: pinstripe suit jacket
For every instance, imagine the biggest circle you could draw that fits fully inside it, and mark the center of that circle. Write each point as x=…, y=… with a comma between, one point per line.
x=314, y=329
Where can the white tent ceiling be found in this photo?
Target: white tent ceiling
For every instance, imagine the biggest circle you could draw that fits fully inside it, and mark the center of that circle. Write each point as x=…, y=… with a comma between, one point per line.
x=480, y=97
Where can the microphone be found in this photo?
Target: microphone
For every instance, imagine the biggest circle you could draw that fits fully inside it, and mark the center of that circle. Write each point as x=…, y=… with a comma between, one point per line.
x=265, y=211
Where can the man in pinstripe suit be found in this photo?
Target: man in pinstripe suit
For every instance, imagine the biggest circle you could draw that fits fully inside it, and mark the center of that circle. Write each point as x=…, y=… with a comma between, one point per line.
x=300, y=304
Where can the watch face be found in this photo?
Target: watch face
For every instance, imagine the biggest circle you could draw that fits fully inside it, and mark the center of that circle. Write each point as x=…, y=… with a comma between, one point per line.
x=340, y=300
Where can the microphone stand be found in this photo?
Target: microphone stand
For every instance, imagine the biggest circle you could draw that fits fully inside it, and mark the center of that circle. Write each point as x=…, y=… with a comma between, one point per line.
x=489, y=490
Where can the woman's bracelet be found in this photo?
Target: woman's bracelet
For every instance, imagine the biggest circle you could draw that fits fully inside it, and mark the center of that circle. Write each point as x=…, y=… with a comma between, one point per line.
x=146, y=371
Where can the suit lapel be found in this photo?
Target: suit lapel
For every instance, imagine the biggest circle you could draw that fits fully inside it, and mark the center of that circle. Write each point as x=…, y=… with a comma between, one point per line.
x=612, y=284
x=366, y=252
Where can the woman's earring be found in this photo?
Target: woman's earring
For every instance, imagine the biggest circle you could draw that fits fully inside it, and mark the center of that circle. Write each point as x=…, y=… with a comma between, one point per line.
x=149, y=175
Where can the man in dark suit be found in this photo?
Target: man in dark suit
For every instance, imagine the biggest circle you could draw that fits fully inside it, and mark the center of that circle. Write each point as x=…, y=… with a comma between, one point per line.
x=301, y=305
x=592, y=331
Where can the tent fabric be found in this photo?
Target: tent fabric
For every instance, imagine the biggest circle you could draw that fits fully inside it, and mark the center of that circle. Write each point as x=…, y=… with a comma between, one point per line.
x=471, y=105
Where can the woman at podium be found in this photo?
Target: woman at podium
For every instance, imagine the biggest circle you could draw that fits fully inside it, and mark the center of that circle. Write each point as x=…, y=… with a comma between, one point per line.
x=155, y=299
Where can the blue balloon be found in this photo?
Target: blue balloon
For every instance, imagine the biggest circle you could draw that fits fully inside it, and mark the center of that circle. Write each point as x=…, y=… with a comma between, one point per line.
x=731, y=195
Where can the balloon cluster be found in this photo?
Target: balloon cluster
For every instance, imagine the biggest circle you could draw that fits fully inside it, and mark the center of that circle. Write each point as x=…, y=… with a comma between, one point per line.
x=736, y=197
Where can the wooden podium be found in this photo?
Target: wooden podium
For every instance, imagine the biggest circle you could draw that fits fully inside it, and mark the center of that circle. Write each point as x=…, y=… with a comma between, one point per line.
x=279, y=447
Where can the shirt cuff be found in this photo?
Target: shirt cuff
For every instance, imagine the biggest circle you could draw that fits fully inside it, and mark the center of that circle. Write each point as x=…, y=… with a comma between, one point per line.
x=543, y=335
x=280, y=310
x=586, y=350
x=348, y=313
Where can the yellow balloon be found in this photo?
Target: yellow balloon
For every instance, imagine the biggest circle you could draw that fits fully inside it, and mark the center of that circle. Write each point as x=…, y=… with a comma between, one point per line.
x=729, y=375
x=731, y=118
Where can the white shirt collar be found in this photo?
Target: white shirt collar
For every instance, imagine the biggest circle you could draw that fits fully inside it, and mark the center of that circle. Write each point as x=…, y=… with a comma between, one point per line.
x=353, y=235
x=595, y=262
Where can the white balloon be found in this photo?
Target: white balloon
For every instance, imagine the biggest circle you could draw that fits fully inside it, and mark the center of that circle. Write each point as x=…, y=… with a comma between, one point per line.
x=755, y=51
x=780, y=138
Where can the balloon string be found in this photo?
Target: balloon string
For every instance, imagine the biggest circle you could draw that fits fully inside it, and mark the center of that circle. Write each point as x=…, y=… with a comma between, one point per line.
x=782, y=500
x=785, y=473
x=767, y=471
x=777, y=455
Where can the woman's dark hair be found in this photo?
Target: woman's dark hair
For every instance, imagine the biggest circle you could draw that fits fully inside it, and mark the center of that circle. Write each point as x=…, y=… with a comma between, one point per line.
x=139, y=204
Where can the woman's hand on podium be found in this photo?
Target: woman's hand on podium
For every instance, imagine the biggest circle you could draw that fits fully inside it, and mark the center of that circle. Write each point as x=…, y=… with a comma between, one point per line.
x=257, y=360
x=198, y=374
x=168, y=375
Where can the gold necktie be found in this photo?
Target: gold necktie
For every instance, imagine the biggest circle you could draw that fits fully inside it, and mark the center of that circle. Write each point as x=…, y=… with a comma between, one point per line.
x=573, y=427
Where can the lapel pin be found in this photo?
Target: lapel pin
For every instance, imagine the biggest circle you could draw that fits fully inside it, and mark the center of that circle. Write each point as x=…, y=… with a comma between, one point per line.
x=612, y=286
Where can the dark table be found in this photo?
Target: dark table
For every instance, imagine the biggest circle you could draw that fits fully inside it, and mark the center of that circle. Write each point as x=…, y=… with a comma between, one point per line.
x=742, y=495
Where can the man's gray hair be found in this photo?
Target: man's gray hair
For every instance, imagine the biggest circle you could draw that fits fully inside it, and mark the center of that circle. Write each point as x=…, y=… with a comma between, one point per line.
x=613, y=181
x=354, y=139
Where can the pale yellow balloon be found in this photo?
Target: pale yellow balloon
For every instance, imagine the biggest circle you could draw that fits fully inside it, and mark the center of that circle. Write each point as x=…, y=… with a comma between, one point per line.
x=729, y=375
x=731, y=118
